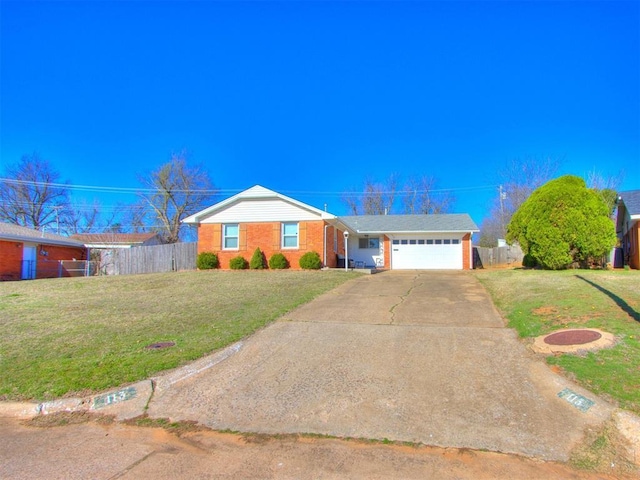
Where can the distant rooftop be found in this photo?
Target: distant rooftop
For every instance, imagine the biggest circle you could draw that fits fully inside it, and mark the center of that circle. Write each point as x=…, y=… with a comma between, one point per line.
x=631, y=199
x=114, y=238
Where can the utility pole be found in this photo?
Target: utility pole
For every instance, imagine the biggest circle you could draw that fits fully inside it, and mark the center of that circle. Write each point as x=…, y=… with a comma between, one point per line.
x=503, y=196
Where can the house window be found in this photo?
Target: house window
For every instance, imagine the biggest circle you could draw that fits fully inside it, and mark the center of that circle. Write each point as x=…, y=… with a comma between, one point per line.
x=421, y=242
x=396, y=241
x=230, y=237
x=289, y=235
x=447, y=241
x=455, y=241
x=429, y=241
x=438, y=241
x=366, y=242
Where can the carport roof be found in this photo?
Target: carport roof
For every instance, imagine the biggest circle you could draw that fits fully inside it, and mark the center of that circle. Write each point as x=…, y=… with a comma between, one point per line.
x=17, y=233
x=450, y=222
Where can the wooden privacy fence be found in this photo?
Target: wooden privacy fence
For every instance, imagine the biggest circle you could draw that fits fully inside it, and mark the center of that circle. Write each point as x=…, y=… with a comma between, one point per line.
x=509, y=256
x=155, y=259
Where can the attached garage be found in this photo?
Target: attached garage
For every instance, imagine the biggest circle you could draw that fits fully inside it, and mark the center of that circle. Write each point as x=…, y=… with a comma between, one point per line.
x=411, y=242
x=424, y=253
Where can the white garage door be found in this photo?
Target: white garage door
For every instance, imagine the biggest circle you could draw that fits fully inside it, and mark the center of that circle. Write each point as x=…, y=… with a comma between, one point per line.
x=426, y=253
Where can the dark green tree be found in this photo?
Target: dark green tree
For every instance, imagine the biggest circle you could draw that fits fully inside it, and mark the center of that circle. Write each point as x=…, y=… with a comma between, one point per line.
x=563, y=223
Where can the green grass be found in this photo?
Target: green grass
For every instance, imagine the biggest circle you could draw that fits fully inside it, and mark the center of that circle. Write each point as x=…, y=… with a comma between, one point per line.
x=74, y=336
x=538, y=302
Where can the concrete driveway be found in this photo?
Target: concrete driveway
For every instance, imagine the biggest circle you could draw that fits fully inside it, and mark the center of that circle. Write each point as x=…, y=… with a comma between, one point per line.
x=412, y=356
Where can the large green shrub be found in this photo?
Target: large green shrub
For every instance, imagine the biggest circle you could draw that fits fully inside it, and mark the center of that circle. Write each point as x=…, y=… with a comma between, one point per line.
x=563, y=223
x=207, y=261
x=278, y=262
x=257, y=260
x=310, y=261
x=238, y=263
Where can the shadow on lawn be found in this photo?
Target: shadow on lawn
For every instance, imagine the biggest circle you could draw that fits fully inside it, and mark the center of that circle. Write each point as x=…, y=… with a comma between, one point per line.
x=619, y=301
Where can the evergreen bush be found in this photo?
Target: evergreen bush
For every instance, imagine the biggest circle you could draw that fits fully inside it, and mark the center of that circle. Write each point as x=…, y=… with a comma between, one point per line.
x=238, y=263
x=310, y=261
x=207, y=261
x=257, y=260
x=278, y=262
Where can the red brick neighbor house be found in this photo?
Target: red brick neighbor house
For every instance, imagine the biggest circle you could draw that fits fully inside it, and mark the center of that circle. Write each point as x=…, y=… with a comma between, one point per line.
x=628, y=227
x=27, y=254
x=261, y=218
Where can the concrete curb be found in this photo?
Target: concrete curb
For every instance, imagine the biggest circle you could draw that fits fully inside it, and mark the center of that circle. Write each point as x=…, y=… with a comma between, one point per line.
x=123, y=403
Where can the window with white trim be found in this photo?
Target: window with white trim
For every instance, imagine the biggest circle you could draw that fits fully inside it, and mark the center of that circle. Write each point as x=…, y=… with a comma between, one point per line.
x=290, y=235
x=230, y=236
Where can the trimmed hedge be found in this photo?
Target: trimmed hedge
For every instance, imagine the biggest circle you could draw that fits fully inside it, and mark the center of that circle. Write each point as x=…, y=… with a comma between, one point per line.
x=238, y=263
x=207, y=261
x=278, y=262
x=310, y=261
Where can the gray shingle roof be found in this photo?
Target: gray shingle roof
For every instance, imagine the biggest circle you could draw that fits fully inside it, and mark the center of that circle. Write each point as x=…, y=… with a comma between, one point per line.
x=16, y=233
x=631, y=201
x=452, y=222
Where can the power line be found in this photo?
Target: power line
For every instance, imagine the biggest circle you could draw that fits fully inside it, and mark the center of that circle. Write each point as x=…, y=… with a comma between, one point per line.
x=133, y=190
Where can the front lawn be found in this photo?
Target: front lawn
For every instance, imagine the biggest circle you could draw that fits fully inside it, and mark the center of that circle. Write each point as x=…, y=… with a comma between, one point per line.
x=80, y=335
x=538, y=302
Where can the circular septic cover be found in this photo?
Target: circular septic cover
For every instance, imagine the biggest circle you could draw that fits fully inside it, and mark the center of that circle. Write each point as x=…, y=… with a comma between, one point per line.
x=572, y=337
x=156, y=346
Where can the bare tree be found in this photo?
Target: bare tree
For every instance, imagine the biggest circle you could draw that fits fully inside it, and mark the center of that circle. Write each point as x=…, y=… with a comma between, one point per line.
x=31, y=195
x=173, y=192
x=517, y=179
x=420, y=197
x=374, y=199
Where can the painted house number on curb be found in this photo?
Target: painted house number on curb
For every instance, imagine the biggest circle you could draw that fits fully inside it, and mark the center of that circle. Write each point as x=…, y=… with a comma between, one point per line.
x=581, y=403
x=114, y=397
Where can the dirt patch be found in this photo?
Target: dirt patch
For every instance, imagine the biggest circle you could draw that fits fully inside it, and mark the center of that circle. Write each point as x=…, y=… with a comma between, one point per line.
x=545, y=310
x=62, y=419
x=606, y=450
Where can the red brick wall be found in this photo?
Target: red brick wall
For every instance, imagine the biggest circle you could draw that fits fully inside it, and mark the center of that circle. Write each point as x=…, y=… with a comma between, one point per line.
x=11, y=254
x=267, y=237
x=634, y=246
x=466, y=252
x=48, y=266
x=10, y=260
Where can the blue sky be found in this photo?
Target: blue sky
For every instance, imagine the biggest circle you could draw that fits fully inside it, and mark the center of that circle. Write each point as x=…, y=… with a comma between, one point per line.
x=309, y=98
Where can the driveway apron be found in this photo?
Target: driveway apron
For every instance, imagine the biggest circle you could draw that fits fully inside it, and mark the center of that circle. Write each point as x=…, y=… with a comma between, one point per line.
x=408, y=356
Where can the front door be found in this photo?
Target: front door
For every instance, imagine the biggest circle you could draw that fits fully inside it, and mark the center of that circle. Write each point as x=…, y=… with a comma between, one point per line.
x=29, y=262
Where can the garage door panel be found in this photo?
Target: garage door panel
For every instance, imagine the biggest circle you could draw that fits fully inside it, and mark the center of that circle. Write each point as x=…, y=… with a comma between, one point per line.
x=409, y=254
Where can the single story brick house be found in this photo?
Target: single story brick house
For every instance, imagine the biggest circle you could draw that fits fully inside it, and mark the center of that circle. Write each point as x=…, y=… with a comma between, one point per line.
x=259, y=217
x=27, y=254
x=628, y=227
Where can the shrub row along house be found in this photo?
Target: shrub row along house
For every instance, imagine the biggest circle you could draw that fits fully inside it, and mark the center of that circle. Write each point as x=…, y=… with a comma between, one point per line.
x=275, y=223
x=27, y=254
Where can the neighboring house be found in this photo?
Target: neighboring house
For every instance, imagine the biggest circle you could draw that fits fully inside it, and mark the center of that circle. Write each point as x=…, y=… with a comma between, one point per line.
x=104, y=245
x=261, y=218
x=26, y=254
x=628, y=227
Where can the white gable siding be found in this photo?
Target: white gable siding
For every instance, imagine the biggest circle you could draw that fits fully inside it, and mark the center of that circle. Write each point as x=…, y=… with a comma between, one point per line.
x=257, y=210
